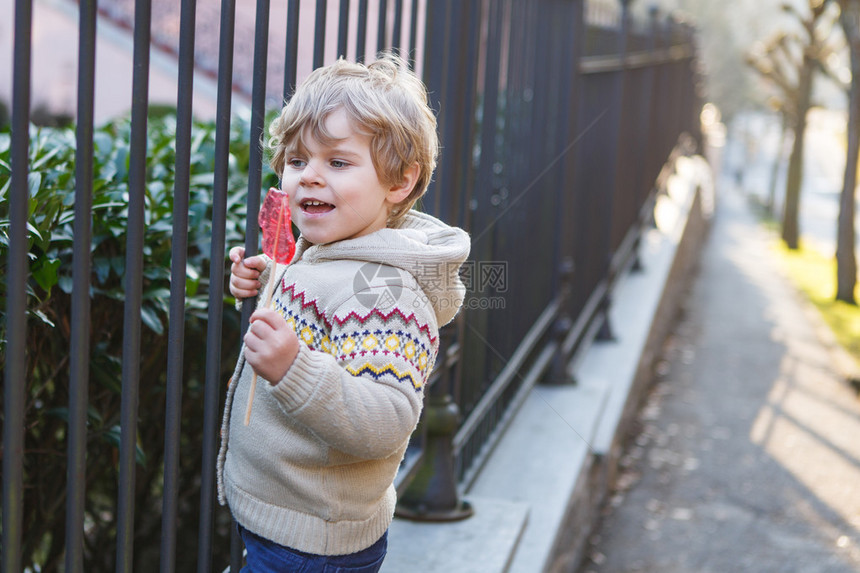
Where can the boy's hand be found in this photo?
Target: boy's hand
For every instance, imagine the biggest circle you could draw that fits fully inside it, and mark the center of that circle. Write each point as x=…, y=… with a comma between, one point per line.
x=271, y=345
x=245, y=274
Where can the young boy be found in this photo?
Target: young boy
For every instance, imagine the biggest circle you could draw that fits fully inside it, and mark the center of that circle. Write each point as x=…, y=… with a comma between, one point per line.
x=352, y=335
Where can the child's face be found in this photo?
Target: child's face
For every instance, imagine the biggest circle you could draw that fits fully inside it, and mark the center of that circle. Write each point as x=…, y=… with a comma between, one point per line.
x=335, y=193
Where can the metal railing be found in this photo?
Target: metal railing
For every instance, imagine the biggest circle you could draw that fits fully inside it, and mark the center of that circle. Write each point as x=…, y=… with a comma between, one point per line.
x=555, y=123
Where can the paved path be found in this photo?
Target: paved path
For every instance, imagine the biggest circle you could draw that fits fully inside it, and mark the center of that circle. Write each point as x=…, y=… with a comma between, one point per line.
x=748, y=451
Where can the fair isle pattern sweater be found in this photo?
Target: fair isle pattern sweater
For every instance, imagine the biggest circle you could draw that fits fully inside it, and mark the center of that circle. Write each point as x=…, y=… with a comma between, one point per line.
x=314, y=469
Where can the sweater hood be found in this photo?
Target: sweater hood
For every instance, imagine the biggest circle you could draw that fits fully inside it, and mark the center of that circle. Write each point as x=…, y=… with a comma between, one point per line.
x=420, y=245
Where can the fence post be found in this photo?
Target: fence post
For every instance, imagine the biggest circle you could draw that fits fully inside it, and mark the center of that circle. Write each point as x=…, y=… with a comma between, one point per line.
x=79, y=349
x=655, y=46
x=605, y=332
x=15, y=382
x=133, y=287
x=212, y=389
x=432, y=495
x=571, y=84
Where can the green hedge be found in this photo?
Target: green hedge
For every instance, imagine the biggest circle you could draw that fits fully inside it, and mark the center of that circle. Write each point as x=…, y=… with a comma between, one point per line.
x=50, y=235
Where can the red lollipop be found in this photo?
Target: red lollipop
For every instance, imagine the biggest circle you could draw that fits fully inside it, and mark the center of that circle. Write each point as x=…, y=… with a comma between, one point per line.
x=278, y=245
x=274, y=219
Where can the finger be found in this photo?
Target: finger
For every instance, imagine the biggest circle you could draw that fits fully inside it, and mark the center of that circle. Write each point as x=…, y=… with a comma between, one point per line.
x=256, y=262
x=255, y=338
x=268, y=317
x=236, y=254
x=250, y=350
x=241, y=270
x=242, y=283
x=239, y=293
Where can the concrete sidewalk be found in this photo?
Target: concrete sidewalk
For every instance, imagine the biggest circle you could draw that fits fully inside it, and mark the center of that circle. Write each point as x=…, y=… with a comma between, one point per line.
x=747, y=454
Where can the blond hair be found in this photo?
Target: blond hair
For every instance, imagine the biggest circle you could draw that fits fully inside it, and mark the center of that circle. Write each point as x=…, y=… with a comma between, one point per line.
x=385, y=100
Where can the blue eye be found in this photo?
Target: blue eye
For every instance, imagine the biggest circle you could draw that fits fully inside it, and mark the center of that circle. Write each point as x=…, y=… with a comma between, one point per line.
x=297, y=163
x=338, y=164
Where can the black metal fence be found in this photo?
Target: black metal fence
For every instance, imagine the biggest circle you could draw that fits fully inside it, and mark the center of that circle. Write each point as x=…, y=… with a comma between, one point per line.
x=556, y=119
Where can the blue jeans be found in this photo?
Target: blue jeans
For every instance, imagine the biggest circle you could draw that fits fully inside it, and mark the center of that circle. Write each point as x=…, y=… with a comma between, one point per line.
x=265, y=556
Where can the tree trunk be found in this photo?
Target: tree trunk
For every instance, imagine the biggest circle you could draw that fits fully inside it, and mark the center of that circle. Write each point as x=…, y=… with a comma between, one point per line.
x=846, y=262
x=791, y=209
x=777, y=163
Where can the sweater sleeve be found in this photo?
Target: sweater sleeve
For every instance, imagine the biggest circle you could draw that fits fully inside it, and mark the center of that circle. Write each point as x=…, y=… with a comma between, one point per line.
x=360, y=389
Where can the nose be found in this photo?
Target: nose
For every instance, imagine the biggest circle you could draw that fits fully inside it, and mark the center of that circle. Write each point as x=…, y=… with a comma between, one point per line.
x=310, y=176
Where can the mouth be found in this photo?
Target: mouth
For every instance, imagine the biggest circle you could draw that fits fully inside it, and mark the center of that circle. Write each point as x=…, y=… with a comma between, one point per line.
x=315, y=207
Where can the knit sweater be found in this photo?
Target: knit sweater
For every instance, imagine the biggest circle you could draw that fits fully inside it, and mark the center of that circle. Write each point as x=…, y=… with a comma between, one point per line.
x=314, y=470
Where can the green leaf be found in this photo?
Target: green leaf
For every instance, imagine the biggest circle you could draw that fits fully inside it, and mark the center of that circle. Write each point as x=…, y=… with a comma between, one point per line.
x=191, y=286
x=34, y=181
x=203, y=179
x=101, y=267
x=61, y=413
x=34, y=231
x=106, y=369
x=114, y=437
x=39, y=163
x=46, y=274
x=150, y=319
x=93, y=414
x=162, y=226
x=44, y=318
x=65, y=283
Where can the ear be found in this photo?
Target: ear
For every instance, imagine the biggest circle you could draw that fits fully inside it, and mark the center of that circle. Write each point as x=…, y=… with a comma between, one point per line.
x=400, y=191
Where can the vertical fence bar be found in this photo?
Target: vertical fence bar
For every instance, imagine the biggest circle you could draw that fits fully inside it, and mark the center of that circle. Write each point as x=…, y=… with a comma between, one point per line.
x=80, y=325
x=481, y=216
x=669, y=135
x=435, y=54
x=397, y=30
x=319, y=32
x=343, y=29
x=620, y=167
x=216, y=286
x=361, y=32
x=616, y=163
x=178, y=260
x=690, y=100
x=570, y=85
x=292, y=47
x=413, y=33
x=16, y=295
x=382, y=28
x=258, y=116
x=649, y=174
x=133, y=287
x=255, y=173
x=450, y=138
x=490, y=107
x=469, y=74
x=661, y=96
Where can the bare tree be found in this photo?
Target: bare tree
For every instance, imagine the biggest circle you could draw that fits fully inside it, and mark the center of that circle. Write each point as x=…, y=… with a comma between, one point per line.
x=846, y=262
x=790, y=61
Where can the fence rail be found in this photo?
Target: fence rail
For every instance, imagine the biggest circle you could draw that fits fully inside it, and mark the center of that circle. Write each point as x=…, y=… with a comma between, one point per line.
x=555, y=121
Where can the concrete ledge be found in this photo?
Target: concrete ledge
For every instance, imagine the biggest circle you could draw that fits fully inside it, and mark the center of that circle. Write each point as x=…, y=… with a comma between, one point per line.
x=558, y=458
x=483, y=543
